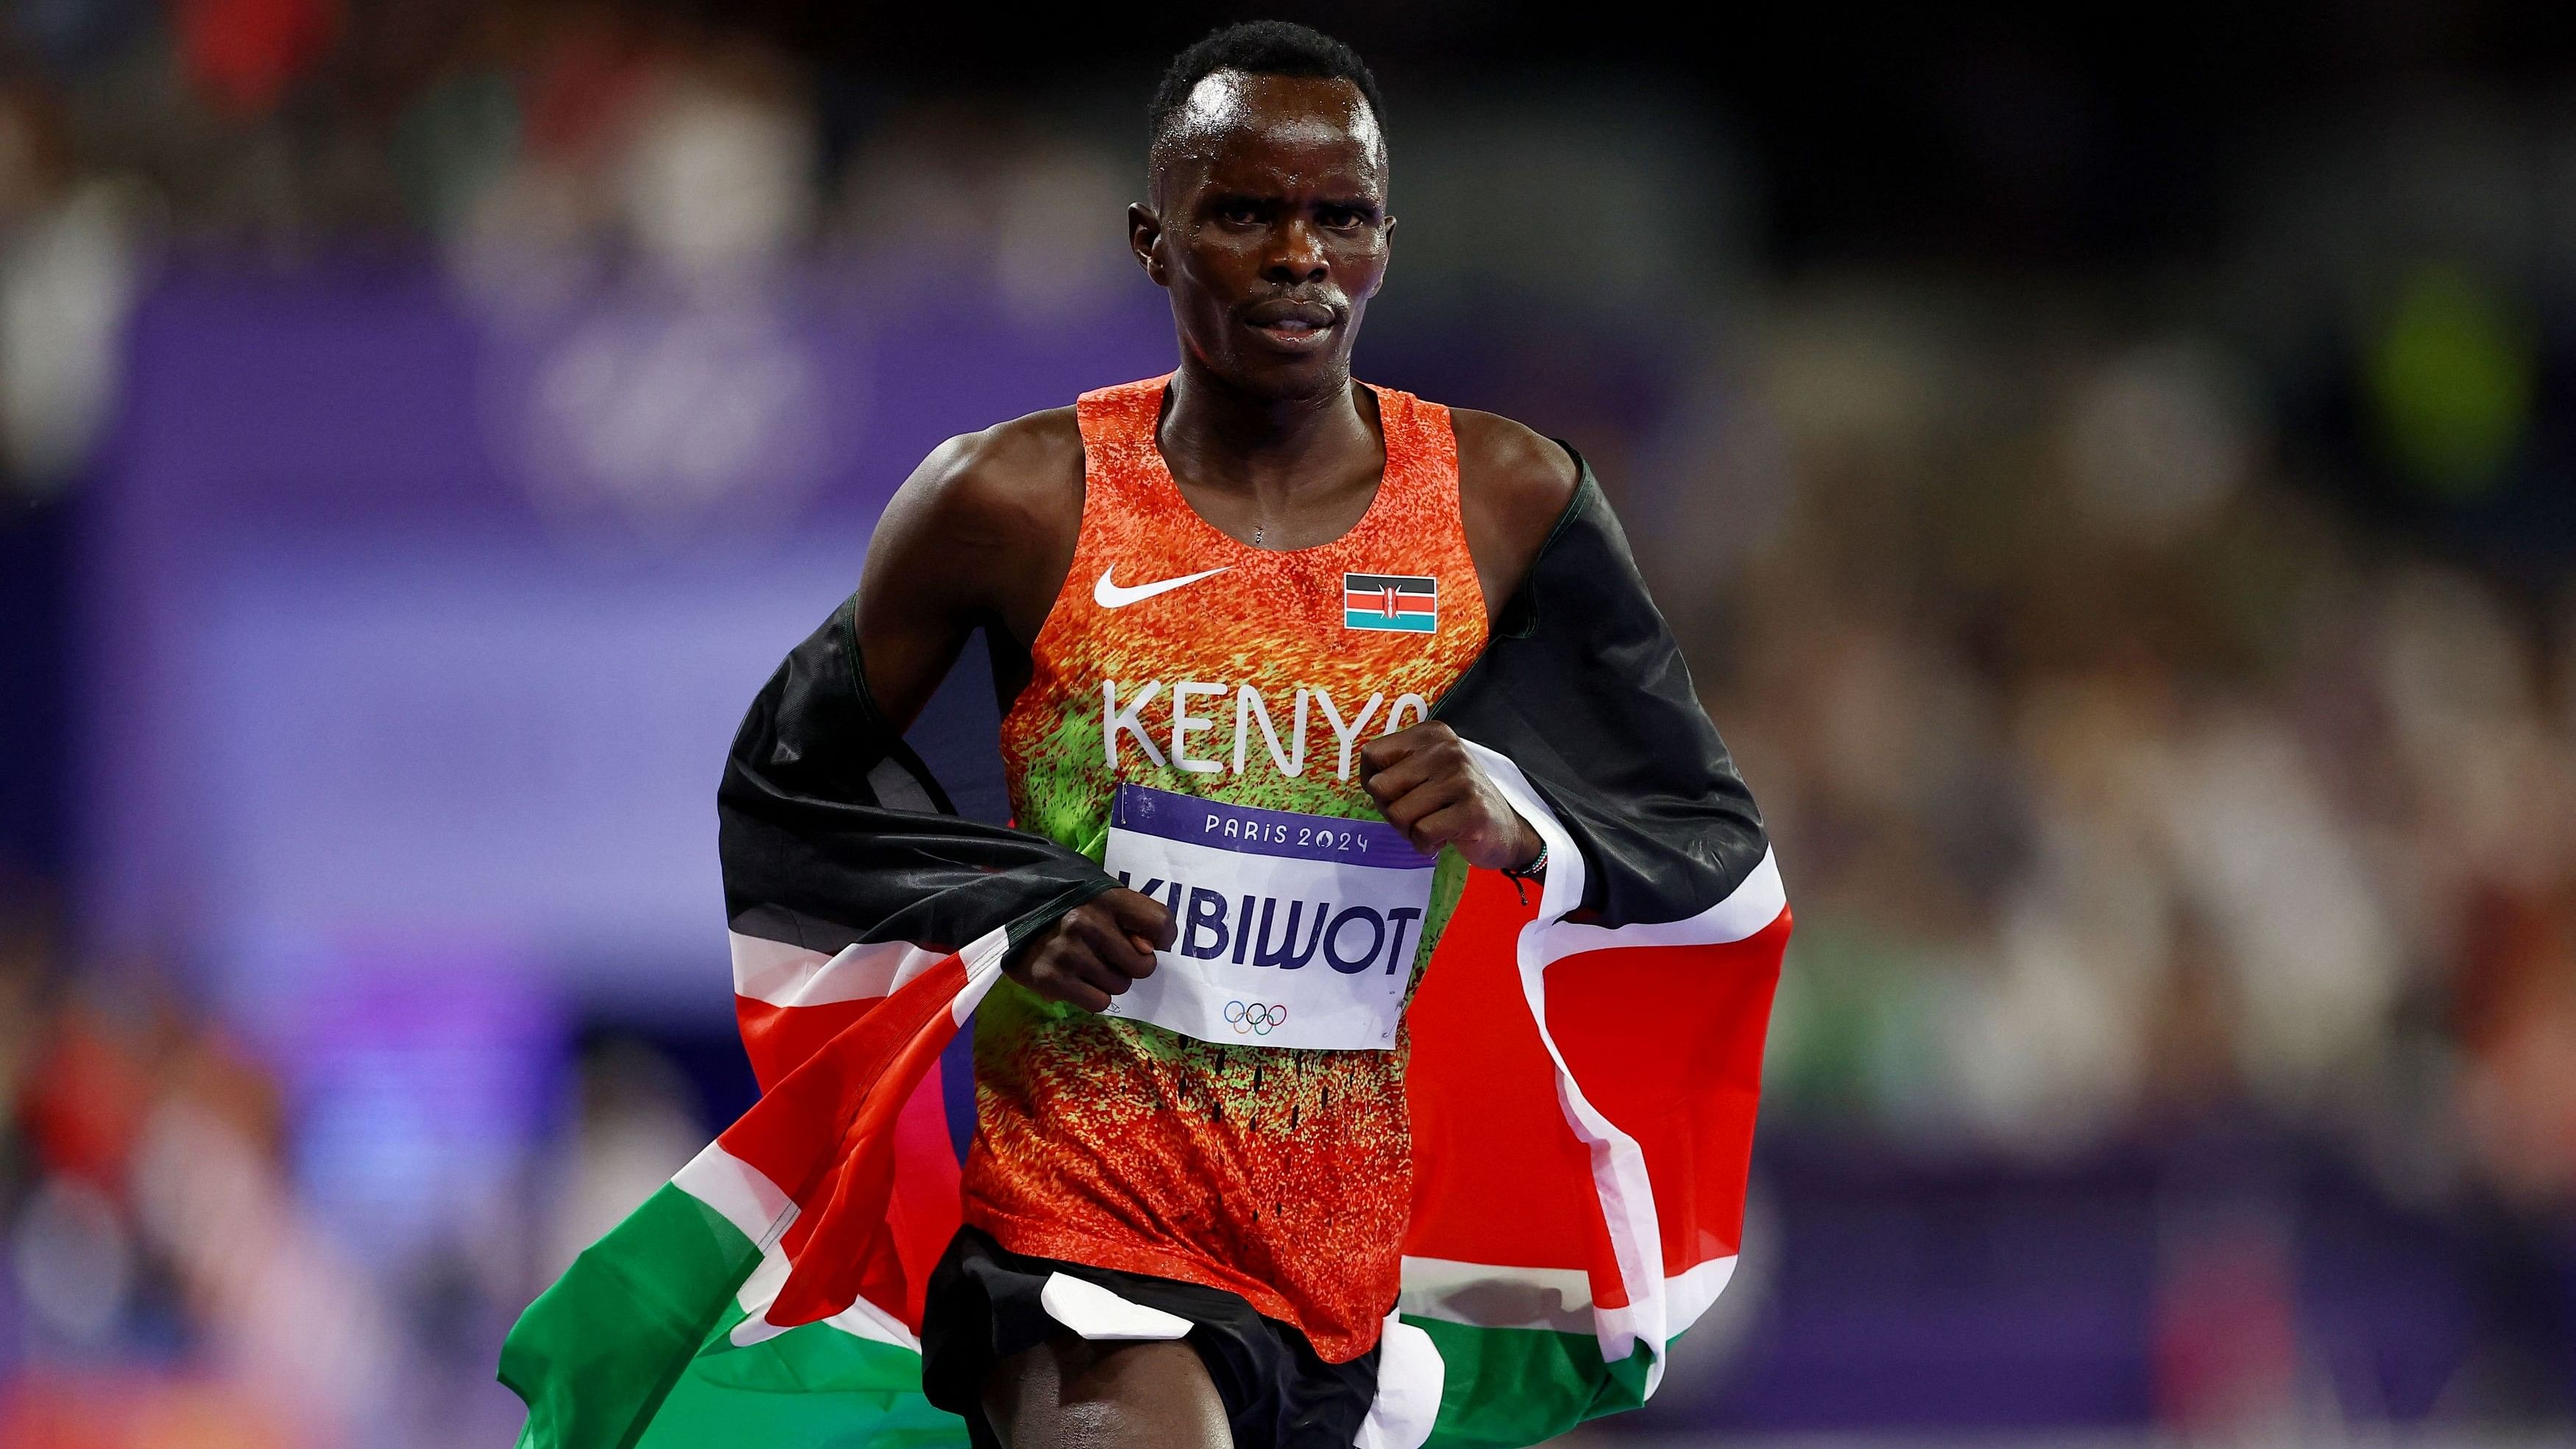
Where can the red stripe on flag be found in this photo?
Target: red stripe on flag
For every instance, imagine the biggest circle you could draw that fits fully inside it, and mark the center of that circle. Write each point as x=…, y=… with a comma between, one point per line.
x=923, y=1208
x=1487, y=1126
x=779, y=1039
x=1683, y=1078
x=1665, y=1041
x=1388, y=601
x=928, y=1203
x=840, y=1130
x=846, y=1251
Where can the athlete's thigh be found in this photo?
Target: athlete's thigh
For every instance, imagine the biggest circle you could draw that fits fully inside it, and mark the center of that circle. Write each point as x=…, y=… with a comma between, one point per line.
x=1069, y=1393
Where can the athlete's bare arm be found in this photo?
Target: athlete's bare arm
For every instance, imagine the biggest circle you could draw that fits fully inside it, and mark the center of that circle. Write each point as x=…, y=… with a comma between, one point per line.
x=980, y=537
x=1513, y=485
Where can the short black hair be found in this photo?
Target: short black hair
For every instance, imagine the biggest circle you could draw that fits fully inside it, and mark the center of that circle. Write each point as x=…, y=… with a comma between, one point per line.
x=1261, y=47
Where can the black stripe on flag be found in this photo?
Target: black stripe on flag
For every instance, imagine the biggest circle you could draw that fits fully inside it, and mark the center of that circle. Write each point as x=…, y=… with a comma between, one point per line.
x=1401, y=583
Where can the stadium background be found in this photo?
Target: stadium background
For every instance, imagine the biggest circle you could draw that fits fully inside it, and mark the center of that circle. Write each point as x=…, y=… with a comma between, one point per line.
x=2115, y=477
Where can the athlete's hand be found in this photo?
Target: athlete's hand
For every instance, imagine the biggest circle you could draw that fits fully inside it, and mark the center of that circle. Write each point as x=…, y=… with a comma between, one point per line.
x=1096, y=950
x=1427, y=786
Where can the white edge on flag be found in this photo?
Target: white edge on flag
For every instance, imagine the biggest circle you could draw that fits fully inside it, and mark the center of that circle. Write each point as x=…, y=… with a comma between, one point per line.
x=1653, y=1315
x=741, y=1193
x=780, y=974
x=1484, y=1295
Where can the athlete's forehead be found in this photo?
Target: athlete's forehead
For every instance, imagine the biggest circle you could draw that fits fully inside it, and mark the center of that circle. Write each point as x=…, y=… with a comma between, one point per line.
x=1238, y=125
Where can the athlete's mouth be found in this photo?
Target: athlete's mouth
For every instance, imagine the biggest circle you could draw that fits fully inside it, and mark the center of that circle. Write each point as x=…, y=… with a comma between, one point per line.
x=1292, y=324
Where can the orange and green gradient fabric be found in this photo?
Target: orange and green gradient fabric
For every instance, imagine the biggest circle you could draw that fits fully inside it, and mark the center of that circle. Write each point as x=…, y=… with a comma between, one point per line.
x=1282, y=1175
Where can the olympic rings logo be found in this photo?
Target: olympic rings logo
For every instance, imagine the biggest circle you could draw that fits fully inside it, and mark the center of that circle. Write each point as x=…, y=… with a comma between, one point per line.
x=1255, y=1018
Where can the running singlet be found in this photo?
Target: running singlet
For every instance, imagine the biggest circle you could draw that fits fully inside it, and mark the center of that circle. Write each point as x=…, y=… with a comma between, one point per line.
x=1193, y=720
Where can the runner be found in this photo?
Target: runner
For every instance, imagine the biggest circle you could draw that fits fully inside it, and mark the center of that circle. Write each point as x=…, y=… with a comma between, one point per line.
x=1238, y=577
x=1223, y=607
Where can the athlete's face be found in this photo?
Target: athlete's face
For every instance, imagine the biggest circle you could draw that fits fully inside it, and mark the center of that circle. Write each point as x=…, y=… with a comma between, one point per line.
x=1268, y=226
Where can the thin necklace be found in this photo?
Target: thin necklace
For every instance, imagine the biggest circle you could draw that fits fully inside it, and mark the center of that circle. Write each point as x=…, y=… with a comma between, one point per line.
x=1256, y=534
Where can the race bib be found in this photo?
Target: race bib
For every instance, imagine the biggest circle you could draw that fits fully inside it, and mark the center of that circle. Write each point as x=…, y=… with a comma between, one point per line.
x=1295, y=930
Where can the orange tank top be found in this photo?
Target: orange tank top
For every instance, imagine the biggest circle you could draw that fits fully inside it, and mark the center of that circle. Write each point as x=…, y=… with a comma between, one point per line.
x=1193, y=718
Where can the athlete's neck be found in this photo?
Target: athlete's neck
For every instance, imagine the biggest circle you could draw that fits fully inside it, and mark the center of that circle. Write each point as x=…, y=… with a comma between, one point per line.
x=1277, y=450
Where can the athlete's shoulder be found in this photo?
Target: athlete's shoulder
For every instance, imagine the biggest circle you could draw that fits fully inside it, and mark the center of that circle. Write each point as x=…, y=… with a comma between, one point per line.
x=1027, y=470
x=1495, y=452
x=1513, y=485
x=977, y=528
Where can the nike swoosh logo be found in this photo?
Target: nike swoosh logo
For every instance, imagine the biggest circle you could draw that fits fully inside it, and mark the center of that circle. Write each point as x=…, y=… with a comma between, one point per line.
x=1110, y=596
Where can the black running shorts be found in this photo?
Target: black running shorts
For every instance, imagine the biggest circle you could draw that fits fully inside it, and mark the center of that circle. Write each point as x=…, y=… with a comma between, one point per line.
x=984, y=1306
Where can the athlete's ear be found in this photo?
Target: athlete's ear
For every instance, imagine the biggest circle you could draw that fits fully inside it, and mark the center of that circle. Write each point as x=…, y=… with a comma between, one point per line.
x=1144, y=238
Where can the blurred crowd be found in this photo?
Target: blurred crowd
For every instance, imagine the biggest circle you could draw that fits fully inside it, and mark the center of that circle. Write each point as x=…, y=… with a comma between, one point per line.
x=531, y=149
x=2128, y=778
x=165, y=1287
x=2160, y=680
x=195, y=1257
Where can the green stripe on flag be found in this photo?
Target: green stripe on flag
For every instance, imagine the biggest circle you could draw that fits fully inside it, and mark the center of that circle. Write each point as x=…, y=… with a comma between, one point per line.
x=813, y=1387
x=593, y=1356
x=810, y=1358
x=1508, y=1387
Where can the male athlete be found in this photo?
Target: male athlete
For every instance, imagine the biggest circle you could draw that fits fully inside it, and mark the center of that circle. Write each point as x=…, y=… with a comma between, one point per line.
x=1187, y=551
x=1304, y=682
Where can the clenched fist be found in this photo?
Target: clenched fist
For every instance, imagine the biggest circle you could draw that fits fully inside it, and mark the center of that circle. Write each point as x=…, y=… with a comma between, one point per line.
x=1094, y=951
x=1427, y=786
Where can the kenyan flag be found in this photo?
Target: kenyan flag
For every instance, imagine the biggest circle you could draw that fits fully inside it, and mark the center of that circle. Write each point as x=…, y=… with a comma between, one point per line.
x=771, y=1293
x=1583, y=1077
x=1406, y=603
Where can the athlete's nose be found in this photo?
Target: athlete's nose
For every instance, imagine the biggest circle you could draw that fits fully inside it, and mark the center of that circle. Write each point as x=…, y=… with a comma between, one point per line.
x=1299, y=255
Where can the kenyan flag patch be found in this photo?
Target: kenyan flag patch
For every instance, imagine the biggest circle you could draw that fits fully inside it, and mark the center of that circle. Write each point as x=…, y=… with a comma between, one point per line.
x=1402, y=602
